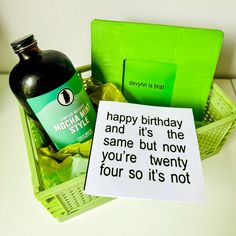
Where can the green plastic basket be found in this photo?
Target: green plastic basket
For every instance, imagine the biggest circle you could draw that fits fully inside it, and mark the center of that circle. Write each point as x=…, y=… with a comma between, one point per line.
x=219, y=120
x=67, y=199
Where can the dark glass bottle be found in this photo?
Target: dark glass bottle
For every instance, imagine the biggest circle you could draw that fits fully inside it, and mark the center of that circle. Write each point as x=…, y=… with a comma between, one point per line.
x=52, y=94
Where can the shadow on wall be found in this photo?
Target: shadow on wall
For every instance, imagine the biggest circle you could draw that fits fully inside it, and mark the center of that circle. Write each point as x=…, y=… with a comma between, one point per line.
x=8, y=58
x=226, y=59
x=7, y=61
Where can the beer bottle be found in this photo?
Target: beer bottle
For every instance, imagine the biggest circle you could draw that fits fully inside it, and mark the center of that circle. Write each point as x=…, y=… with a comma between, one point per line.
x=51, y=92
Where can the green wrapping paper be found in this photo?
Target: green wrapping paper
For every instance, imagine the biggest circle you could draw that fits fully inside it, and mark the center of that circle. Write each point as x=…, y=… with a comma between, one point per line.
x=61, y=166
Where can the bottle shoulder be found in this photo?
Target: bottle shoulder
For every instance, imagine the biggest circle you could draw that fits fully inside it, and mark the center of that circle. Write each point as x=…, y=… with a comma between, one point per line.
x=45, y=59
x=40, y=74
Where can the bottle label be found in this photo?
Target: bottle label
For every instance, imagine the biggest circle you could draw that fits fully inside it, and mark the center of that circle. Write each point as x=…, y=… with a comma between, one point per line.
x=66, y=113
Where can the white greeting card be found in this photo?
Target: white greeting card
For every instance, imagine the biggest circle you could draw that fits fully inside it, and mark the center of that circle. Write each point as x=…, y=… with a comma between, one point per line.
x=147, y=152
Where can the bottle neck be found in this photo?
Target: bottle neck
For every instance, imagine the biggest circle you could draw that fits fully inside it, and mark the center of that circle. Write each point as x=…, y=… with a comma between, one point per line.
x=28, y=53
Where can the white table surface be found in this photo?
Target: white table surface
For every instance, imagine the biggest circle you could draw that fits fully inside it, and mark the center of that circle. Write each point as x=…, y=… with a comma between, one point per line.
x=22, y=214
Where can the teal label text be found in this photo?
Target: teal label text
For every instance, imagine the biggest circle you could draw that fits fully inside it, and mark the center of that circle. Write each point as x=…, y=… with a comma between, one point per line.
x=66, y=113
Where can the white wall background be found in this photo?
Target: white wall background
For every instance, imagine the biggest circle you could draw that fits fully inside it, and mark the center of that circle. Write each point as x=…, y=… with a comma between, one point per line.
x=65, y=24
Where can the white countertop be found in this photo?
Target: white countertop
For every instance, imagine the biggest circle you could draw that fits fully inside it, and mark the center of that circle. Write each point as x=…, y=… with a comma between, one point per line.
x=22, y=214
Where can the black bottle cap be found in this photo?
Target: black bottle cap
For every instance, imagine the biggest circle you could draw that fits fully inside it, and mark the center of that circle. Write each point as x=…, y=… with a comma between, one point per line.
x=23, y=43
